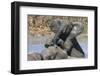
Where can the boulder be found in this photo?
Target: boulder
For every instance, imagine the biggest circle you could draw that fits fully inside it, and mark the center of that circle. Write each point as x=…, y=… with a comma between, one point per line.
x=34, y=56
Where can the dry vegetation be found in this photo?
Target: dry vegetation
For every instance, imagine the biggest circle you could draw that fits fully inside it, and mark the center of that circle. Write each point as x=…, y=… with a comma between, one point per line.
x=39, y=24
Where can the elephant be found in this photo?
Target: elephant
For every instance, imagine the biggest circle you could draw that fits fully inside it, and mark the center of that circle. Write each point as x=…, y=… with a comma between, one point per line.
x=63, y=44
x=53, y=52
x=50, y=53
x=65, y=37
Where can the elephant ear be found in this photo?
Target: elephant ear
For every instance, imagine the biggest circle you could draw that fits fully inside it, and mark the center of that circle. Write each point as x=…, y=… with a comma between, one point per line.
x=55, y=24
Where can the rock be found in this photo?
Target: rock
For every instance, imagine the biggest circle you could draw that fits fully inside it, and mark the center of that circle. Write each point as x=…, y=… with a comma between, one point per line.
x=34, y=56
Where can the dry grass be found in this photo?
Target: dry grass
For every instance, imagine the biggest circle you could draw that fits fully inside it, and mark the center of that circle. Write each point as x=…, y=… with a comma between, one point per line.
x=39, y=24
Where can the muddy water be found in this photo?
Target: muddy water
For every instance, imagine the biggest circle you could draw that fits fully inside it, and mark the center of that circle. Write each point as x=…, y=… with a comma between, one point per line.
x=36, y=44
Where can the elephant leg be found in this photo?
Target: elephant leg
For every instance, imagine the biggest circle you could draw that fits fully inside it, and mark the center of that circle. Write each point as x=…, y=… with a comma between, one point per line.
x=76, y=49
x=61, y=54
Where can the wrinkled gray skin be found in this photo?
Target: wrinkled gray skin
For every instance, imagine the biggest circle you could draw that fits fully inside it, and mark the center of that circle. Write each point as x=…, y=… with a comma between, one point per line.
x=51, y=53
x=59, y=26
x=54, y=52
x=71, y=30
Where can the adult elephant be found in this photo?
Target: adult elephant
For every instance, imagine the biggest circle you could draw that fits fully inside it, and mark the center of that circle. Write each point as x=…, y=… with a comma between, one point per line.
x=65, y=36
